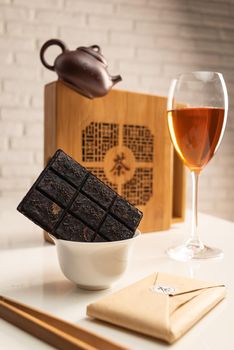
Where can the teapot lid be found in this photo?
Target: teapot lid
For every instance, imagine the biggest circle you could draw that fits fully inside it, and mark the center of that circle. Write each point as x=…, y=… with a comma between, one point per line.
x=95, y=51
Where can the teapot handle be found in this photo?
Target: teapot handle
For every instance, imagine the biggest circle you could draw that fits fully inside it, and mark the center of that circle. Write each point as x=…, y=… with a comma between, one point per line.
x=48, y=43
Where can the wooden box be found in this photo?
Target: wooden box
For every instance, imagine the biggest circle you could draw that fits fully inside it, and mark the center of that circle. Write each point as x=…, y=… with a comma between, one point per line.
x=123, y=139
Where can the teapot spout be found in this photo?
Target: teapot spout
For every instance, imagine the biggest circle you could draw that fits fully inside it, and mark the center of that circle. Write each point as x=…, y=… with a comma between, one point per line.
x=116, y=78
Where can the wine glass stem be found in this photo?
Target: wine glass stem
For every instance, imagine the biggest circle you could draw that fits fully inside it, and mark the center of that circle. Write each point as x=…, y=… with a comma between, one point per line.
x=194, y=239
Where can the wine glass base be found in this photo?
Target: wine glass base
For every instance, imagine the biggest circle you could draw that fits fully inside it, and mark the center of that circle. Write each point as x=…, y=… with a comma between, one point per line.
x=188, y=252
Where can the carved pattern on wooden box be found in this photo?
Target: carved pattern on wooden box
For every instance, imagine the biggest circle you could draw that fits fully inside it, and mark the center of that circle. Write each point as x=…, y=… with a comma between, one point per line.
x=97, y=139
x=122, y=157
x=140, y=140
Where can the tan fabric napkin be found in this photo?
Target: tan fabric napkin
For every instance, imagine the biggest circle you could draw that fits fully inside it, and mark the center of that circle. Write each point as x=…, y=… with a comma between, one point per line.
x=161, y=305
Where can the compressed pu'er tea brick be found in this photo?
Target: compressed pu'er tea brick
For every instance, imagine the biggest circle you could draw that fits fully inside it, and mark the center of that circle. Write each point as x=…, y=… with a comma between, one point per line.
x=72, y=204
x=85, y=209
x=74, y=230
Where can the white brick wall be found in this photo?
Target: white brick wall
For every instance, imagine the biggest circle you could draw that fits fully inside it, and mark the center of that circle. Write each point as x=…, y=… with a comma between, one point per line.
x=146, y=41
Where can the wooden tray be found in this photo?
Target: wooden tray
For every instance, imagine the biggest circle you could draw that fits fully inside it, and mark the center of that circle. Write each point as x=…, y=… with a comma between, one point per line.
x=123, y=139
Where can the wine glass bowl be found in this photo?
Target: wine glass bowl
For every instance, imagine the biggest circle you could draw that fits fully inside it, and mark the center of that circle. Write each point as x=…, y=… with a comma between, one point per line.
x=195, y=133
x=197, y=115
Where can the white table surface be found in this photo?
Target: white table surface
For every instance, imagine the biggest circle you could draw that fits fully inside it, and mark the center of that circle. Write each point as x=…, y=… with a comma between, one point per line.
x=29, y=273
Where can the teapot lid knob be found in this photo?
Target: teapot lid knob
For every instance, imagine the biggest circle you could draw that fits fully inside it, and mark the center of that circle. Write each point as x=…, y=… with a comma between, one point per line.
x=95, y=51
x=96, y=48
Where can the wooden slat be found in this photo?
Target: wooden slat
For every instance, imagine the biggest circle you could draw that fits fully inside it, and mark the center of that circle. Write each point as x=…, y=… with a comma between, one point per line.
x=52, y=330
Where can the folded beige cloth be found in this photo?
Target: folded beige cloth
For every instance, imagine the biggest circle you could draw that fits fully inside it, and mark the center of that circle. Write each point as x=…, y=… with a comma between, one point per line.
x=161, y=305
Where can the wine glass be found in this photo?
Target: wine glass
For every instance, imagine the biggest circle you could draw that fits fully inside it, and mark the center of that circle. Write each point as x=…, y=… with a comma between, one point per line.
x=197, y=114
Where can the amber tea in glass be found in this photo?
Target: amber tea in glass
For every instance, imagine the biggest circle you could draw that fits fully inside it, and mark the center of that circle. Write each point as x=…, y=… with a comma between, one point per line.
x=197, y=114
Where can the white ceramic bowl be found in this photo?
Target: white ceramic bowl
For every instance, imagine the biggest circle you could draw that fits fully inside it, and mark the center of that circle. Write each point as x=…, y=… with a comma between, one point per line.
x=94, y=265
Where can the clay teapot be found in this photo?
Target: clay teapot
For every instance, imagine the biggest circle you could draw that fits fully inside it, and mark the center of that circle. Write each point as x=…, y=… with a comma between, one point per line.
x=84, y=69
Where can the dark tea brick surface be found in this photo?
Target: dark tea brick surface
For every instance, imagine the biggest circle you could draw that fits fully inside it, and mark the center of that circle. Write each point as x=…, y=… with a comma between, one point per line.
x=88, y=211
x=41, y=210
x=56, y=187
x=72, y=204
x=74, y=230
x=129, y=215
x=69, y=168
x=99, y=238
x=114, y=230
x=102, y=194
